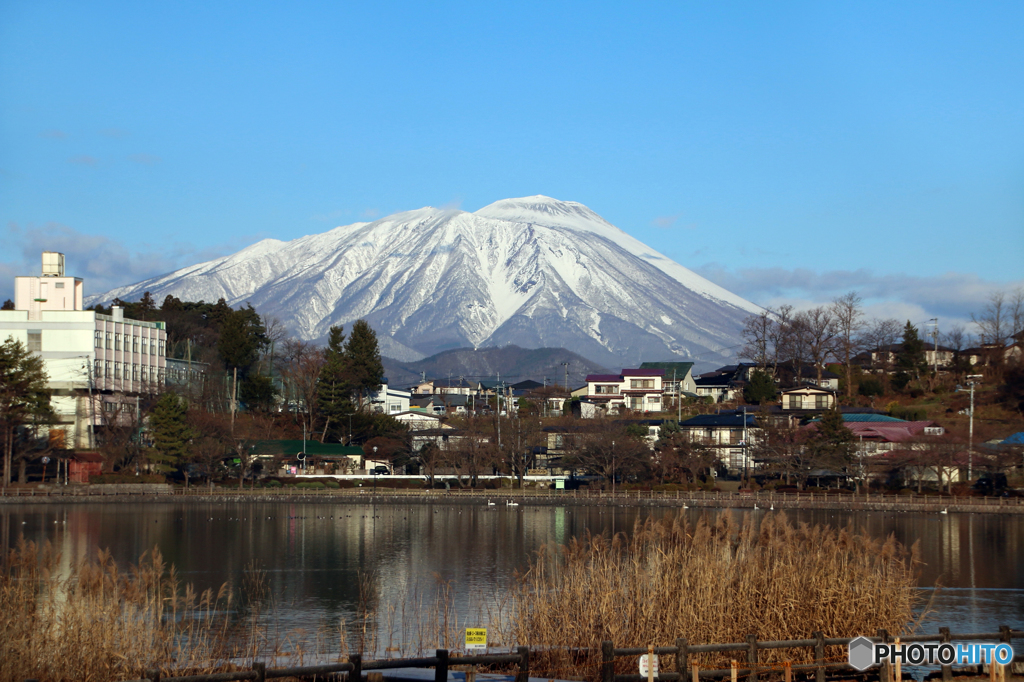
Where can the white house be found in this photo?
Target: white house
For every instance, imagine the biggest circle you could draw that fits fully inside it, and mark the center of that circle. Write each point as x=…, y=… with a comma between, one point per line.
x=90, y=359
x=389, y=400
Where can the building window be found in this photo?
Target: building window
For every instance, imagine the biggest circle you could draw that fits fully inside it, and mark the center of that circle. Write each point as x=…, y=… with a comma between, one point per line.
x=641, y=383
x=606, y=389
x=117, y=341
x=35, y=340
x=117, y=370
x=135, y=344
x=161, y=377
x=654, y=399
x=796, y=402
x=135, y=372
x=106, y=371
x=636, y=402
x=145, y=347
x=109, y=407
x=161, y=349
x=58, y=285
x=109, y=340
x=98, y=369
x=99, y=339
x=152, y=347
x=821, y=402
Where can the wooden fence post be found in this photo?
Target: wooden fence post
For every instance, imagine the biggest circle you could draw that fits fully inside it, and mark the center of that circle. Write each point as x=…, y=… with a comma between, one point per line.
x=752, y=657
x=153, y=675
x=732, y=666
x=607, y=661
x=898, y=672
x=788, y=668
x=261, y=671
x=947, y=670
x=682, y=656
x=696, y=673
x=357, y=668
x=441, y=669
x=524, y=664
x=885, y=672
x=819, y=656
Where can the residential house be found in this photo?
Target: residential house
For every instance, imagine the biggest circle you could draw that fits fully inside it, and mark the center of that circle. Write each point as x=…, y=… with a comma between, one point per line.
x=387, y=400
x=730, y=434
x=678, y=379
x=635, y=389
x=808, y=397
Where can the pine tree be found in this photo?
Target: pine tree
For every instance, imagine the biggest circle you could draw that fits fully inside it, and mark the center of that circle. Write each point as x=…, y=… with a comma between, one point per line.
x=910, y=361
x=362, y=357
x=24, y=398
x=334, y=389
x=760, y=389
x=833, y=444
x=170, y=432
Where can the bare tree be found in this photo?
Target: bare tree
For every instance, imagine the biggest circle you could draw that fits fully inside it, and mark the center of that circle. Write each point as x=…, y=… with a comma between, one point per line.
x=957, y=339
x=818, y=330
x=758, y=331
x=303, y=364
x=879, y=337
x=848, y=313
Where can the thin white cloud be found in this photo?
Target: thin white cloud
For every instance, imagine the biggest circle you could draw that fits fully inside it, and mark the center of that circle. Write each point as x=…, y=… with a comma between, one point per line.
x=951, y=296
x=84, y=160
x=145, y=159
x=103, y=263
x=53, y=134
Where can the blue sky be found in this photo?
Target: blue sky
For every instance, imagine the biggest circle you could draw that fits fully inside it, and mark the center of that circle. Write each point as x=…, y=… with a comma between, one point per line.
x=789, y=151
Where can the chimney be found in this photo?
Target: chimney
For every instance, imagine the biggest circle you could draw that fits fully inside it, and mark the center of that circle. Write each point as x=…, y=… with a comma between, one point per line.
x=117, y=312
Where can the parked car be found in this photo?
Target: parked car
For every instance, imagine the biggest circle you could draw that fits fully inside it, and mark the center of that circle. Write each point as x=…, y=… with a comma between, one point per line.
x=380, y=470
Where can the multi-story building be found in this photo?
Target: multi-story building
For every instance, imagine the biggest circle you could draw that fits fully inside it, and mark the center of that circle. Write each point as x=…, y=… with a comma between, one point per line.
x=637, y=389
x=93, y=361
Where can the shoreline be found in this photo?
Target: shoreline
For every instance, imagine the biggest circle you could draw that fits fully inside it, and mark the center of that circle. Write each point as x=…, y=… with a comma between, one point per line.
x=642, y=499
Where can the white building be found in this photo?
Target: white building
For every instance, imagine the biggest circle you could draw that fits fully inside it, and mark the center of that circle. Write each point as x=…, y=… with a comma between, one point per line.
x=389, y=400
x=91, y=359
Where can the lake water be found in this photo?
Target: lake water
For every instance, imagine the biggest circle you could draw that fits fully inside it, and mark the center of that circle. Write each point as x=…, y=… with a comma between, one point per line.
x=314, y=553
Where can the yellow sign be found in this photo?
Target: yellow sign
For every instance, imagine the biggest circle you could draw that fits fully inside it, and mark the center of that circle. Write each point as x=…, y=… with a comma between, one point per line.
x=476, y=638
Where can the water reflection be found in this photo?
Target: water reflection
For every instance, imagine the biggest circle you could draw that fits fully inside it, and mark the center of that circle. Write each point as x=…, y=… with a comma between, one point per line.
x=314, y=554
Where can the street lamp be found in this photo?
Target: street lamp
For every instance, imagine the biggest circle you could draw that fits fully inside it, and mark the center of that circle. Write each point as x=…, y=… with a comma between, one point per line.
x=970, y=431
x=374, y=470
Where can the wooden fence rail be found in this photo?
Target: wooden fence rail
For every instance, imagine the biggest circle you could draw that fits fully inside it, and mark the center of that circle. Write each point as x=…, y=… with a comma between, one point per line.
x=682, y=652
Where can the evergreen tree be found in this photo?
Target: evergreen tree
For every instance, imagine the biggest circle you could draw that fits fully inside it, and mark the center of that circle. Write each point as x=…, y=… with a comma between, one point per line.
x=760, y=389
x=24, y=398
x=170, y=432
x=910, y=361
x=258, y=392
x=334, y=389
x=242, y=335
x=8, y=305
x=833, y=445
x=362, y=358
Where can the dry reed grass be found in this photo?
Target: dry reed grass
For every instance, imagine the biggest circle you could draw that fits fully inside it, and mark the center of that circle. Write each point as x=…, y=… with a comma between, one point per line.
x=90, y=621
x=709, y=583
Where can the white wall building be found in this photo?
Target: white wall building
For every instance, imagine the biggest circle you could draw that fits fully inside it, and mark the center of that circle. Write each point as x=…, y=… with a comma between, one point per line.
x=389, y=400
x=85, y=354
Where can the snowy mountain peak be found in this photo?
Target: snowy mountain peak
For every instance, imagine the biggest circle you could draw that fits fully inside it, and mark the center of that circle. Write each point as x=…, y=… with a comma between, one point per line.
x=526, y=271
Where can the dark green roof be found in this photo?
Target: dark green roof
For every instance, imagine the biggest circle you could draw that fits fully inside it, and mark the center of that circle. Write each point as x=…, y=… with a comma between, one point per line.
x=293, y=447
x=681, y=368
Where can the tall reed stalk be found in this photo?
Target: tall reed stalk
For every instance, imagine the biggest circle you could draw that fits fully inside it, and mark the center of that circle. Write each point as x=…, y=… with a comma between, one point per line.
x=709, y=583
x=90, y=621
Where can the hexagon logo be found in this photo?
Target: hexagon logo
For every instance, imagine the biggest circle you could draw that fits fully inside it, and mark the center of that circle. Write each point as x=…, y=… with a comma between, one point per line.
x=860, y=653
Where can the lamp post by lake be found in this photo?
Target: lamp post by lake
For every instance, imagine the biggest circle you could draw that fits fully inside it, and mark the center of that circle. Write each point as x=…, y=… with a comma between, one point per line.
x=375, y=471
x=613, y=469
x=970, y=428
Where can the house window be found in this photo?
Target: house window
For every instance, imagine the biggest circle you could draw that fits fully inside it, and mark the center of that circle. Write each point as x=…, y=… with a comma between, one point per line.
x=109, y=407
x=35, y=340
x=99, y=339
x=641, y=383
x=654, y=400
x=109, y=340
x=58, y=285
x=135, y=344
x=117, y=342
x=606, y=389
x=796, y=402
x=636, y=402
x=821, y=402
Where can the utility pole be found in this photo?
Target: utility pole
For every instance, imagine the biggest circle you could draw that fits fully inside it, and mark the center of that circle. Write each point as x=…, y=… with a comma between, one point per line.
x=613, y=470
x=566, y=365
x=970, y=430
x=935, y=337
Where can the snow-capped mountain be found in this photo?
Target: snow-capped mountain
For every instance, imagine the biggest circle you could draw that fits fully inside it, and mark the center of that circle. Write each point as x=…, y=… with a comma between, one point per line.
x=533, y=271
